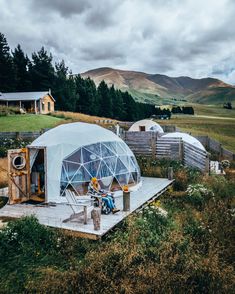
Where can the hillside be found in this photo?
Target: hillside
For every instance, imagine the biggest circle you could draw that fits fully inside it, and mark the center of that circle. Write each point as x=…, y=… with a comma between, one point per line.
x=161, y=89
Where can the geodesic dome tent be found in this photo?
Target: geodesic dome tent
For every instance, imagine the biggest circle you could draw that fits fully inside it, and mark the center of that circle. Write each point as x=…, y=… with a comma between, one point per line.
x=146, y=125
x=76, y=152
x=186, y=138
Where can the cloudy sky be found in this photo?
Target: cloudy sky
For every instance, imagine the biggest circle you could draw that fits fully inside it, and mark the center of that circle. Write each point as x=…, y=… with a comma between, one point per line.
x=173, y=37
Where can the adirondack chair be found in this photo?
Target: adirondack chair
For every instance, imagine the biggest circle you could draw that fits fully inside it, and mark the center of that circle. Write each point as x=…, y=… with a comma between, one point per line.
x=80, y=205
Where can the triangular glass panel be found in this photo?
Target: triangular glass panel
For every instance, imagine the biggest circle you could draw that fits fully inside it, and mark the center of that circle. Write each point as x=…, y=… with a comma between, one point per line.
x=112, y=146
x=94, y=148
x=103, y=171
x=111, y=163
x=106, y=152
x=120, y=148
x=92, y=167
x=75, y=156
x=125, y=160
x=83, y=175
x=106, y=182
x=80, y=188
x=122, y=179
x=88, y=156
x=120, y=167
x=70, y=168
x=64, y=175
x=131, y=180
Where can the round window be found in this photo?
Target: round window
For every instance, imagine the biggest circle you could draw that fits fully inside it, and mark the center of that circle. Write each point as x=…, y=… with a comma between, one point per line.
x=18, y=162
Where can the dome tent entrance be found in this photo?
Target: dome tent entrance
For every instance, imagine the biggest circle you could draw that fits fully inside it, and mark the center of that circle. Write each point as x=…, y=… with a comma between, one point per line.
x=76, y=152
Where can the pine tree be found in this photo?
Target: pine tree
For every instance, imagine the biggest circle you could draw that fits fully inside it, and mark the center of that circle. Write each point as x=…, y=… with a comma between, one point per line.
x=105, y=100
x=21, y=63
x=7, y=76
x=41, y=70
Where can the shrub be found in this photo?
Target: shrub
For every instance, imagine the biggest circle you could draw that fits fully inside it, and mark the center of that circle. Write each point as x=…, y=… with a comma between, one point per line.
x=198, y=194
x=8, y=143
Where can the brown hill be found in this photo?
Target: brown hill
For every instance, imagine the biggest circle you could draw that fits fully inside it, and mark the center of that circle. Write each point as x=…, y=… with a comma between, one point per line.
x=157, y=85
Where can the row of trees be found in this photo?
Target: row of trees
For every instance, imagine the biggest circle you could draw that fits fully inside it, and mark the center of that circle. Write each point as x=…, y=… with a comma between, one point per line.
x=183, y=110
x=72, y=93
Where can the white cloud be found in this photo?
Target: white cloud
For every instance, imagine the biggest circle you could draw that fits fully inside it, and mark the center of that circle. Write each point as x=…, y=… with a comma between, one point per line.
x=172, y=37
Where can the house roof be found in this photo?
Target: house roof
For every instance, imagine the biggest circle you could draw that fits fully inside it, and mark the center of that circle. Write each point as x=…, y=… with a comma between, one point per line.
x=24, y=96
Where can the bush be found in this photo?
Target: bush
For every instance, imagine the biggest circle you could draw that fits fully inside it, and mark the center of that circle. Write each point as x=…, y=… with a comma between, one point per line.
x=198, y=194
x=7, y=110
x=7, y=143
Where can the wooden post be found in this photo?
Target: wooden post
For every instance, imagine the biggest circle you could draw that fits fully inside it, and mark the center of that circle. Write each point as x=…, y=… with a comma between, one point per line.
x=35, y=106
x=181, y=150
x=85, y=214
x=126, y=201
x=170, y=173
x=96, y=216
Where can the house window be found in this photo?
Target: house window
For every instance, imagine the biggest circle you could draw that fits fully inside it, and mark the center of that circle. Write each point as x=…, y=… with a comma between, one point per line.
x=49, y=106
x=142, y=128
x=43, y=107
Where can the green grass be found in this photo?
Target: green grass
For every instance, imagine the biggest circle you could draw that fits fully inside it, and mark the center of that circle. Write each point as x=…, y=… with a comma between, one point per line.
x=222, y=130
x=27, y=122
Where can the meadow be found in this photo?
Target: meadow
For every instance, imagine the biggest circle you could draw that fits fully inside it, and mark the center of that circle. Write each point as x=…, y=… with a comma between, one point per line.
x=27, y=122
x=189, y=251
x=220, y=129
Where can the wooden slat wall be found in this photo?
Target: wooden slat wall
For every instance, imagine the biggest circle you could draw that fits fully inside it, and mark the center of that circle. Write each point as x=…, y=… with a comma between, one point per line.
x=141, y=143
x=169, y=148
x=196, y=157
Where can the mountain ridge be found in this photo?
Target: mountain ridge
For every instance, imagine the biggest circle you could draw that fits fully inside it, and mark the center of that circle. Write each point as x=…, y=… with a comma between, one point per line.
x=155, y=87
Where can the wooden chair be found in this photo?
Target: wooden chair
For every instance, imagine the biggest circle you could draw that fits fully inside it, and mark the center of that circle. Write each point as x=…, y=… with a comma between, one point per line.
x=80, y=205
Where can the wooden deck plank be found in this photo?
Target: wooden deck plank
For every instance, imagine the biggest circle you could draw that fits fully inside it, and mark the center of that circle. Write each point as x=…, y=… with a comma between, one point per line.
x=54, y=216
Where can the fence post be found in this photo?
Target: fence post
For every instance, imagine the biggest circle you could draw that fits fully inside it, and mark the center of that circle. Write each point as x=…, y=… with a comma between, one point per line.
x=153, y=144
x=181, y=150
x=170, y=173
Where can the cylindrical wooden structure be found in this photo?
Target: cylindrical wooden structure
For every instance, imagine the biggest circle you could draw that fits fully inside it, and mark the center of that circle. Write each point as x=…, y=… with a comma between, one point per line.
x=126, y=201
x=96, y=216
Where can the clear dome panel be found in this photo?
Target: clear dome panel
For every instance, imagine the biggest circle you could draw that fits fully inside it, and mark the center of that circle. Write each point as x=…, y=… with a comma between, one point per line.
x=70, y=168
x=75, y=156
x=105, y=183
x=122, y=179
x=94, y=148
x=120, y=167
x=106, y=152
x=92, y=167
x=88, y=156
x=111, y=163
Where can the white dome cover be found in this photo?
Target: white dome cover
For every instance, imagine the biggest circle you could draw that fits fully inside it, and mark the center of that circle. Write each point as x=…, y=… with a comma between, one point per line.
x=186, y=138
x=149, y=125
x=76, y=152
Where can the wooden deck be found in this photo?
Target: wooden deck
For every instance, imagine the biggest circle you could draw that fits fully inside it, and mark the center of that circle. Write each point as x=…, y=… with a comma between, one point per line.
x=53, y=216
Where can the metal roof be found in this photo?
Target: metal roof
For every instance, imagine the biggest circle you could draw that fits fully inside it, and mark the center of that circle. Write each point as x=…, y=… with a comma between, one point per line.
x=23, y=96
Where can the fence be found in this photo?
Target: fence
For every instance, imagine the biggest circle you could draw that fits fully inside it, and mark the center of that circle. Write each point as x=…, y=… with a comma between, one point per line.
x=216, y=146
x=141, y=143
x=169, y=148
x=22, y=135
x=195, y=157
x=149, y=144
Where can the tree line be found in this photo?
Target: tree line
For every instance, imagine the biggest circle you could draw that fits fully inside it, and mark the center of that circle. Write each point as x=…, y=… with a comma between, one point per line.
x=18, y=73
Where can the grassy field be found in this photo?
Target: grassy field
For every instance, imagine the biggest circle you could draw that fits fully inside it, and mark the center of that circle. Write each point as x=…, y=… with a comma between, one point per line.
x=27, y=122
x=222, y=130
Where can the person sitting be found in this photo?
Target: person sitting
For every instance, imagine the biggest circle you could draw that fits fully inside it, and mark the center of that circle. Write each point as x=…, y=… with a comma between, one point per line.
x=95, y=190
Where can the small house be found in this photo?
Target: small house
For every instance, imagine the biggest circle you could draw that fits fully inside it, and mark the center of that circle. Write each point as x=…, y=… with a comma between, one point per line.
x=31, y=102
